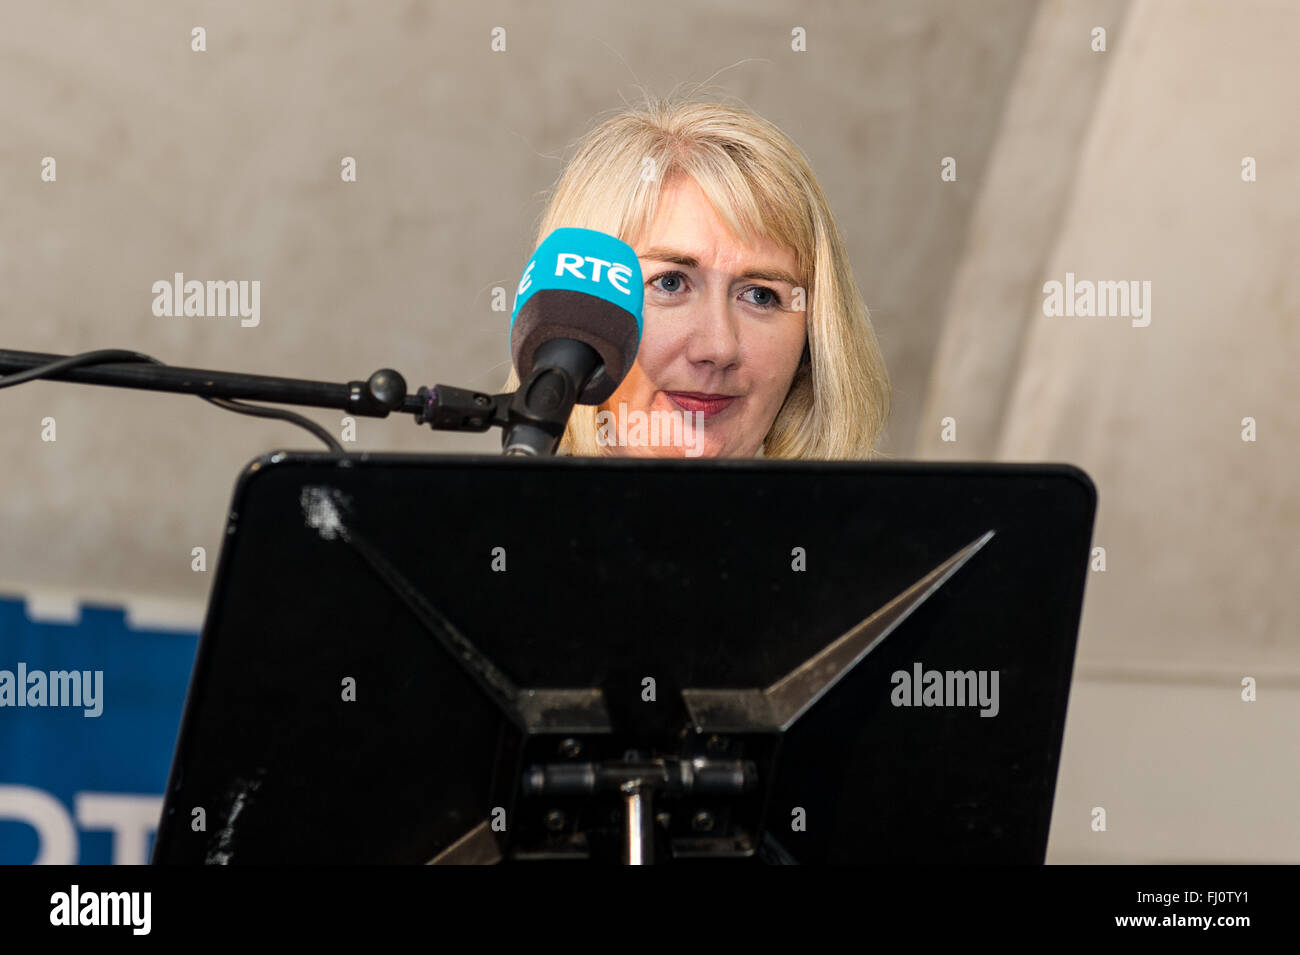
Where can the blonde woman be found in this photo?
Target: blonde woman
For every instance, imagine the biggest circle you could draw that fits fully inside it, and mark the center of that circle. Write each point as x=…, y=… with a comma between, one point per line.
x=754, y=329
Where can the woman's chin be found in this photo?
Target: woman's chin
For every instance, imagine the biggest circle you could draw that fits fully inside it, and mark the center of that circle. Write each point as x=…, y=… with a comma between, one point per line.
x=708, y=449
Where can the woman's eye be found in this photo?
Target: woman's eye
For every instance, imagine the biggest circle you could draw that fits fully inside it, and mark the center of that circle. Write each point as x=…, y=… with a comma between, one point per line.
x=669, y=277
x=767, y=297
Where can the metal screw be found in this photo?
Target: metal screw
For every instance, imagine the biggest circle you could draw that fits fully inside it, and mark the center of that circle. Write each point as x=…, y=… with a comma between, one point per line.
x=570, y=748
x=555, y=821
x=702, y=821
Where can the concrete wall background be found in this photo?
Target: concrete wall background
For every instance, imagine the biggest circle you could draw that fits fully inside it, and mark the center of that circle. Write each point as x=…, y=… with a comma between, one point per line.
x=1115, y=165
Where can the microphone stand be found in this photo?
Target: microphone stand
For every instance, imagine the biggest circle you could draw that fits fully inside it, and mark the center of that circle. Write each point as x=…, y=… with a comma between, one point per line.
x=539, y=410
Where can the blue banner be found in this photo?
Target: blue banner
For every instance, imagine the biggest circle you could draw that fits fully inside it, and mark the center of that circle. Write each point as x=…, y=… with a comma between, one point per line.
x=88, y=718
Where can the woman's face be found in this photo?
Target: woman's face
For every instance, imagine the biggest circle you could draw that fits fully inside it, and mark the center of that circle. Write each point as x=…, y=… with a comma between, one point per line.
x=720, y=336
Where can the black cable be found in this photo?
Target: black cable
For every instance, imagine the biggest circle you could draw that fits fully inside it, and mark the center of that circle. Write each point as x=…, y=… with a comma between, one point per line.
x=105, y=355
x=261, y=411
x=99, y=357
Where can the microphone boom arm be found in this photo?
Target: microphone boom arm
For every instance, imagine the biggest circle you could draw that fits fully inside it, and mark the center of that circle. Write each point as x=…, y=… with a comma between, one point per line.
x=532, y=409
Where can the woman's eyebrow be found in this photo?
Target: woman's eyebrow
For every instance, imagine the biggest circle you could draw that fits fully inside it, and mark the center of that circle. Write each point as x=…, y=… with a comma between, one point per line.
x=691, y=262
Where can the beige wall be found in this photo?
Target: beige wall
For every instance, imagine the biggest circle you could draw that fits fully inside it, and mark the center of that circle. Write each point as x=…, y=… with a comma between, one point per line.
x=1115, y=165
x=1201, y=529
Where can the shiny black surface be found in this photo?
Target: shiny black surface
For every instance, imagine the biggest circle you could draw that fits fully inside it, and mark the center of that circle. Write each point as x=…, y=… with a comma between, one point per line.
x=679, y=570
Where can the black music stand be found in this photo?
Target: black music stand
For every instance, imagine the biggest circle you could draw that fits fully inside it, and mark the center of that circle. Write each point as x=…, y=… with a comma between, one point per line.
x=465, y=658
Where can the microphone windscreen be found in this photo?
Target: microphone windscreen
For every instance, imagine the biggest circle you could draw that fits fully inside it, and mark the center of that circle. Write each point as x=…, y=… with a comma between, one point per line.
x=584, y=285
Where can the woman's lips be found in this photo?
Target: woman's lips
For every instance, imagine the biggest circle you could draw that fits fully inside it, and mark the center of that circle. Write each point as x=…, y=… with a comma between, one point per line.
x=692, y=401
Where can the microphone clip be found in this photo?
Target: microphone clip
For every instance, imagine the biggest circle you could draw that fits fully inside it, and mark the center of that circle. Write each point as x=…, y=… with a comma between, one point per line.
x=533, y=417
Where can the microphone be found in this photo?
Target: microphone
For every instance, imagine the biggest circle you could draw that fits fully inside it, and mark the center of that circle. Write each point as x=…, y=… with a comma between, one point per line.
x=574, y=333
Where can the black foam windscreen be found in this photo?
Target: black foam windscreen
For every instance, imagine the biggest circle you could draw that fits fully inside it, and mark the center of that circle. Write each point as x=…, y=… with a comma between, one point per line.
x=561, y=313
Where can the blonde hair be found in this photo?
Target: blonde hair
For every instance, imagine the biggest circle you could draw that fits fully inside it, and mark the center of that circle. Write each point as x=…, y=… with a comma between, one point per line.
x=761, y=185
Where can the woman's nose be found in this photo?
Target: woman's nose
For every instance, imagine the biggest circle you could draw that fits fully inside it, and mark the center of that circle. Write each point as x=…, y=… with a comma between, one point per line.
x=715, y=334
